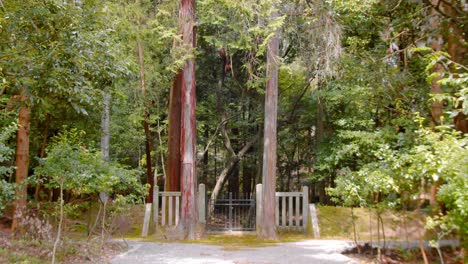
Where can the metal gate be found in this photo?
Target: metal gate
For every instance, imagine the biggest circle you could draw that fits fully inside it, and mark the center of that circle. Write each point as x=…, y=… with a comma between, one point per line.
x=232, y=213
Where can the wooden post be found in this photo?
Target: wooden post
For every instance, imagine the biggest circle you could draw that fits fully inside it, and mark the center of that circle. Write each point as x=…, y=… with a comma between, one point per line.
x=298, y=205
x=163, y=210
x=177, y=210
x=171, y=210
x=283, y=211
x=155, y=207
x=259, y=209
x=305, y=206
x=201, y=203
x=315, y=225
x=146, y=220
x=277, y=210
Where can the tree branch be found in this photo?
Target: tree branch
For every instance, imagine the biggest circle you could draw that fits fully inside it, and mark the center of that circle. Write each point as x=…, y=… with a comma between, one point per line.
x=437, y=8
x=210, y=141
x=296, y=103
x=227, y=170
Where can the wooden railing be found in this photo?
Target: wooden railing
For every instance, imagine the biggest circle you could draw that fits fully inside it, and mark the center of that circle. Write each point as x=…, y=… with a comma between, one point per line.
x=170, y=204
x=292, y=209
x=166, y=209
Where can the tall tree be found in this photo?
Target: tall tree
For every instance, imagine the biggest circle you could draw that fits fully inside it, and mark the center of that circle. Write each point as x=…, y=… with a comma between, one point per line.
x=105, y=127
x=22, y=158
x=268, y=226
x=149, y=145
x=56, y=54
x=189, y=214
x=172, y=182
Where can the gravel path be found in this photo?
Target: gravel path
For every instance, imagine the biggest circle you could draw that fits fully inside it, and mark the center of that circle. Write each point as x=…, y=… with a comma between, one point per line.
x=305, y=252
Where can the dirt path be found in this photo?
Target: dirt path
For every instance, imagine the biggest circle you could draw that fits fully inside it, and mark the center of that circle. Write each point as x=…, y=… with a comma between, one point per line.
x=305, y=252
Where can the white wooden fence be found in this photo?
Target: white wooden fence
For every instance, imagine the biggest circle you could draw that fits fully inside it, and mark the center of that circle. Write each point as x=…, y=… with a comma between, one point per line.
x=292, y=209
x=170, y=204
x=168, y=214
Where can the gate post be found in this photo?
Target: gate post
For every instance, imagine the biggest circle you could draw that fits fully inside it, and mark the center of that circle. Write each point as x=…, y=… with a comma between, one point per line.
x=305, y=207
x=155, y=206
x=201, y=204
x=259, y=205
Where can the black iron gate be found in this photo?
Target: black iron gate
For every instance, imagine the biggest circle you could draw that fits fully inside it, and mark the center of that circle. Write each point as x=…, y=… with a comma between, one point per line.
x=232, y=213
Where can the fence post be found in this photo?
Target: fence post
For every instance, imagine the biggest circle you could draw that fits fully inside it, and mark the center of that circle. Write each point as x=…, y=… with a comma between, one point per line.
x=305, y=207
x=259, y=206
x=201, y=203
x=277, y=199
x=155, y=206
x=314, y=218
x=146, y=220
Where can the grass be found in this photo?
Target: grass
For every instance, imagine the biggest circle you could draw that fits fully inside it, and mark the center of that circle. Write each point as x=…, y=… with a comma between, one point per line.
x=234, y=242
x=25, y=251
x=336, y=223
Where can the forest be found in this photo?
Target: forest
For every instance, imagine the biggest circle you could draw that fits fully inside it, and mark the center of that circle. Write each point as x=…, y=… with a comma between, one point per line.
x=365, y=102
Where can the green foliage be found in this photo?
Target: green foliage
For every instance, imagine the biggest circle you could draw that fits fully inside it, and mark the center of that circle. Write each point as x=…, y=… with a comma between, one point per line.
x=7, y=190
x=83, y=171
x=56, y=50
x=452, y=168
x=378, y=148
x=7, y=193
x=453, y=78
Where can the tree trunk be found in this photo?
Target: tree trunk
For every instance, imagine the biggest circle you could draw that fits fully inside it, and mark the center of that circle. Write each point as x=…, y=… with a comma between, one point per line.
x=247, y=177
x=42, y=153
x=172, y=181
x=457, y=48
x=227, y=170
x=161, y=154
x=268, y=226
x=59, y=228
x=188, y=187
x=105, y=127
x=148, y=136
x=220, y=103
x=205, y=158
x=436, y=44
x=320, y=129
x=148, y=149
x=233, y=182
x=22, y=162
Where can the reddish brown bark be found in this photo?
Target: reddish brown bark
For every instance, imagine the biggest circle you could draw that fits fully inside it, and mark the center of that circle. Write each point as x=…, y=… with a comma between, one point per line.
x=22, y=161
x=268, y=226
x=173, y=160
x=189, y=212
